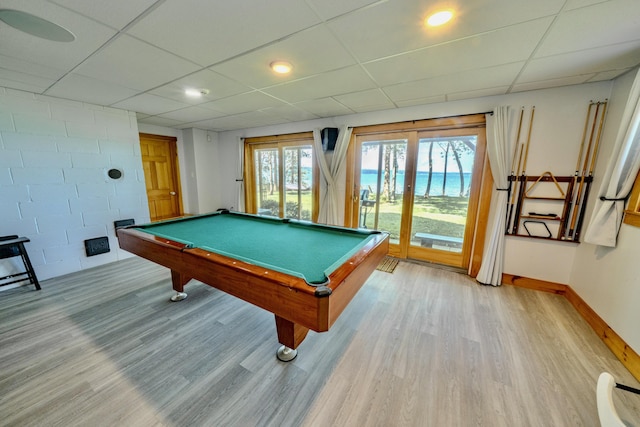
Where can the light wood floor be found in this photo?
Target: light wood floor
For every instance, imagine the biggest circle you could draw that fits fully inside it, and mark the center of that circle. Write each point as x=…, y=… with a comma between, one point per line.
x=419, y=347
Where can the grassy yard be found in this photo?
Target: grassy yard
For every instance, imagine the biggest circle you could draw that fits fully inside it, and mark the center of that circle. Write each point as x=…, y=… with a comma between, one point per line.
x=444, y=216
x=440, y=215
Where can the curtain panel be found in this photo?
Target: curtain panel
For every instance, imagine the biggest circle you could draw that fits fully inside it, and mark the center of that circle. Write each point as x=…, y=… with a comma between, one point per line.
x=329, y=212
x=499, y=150
x=240, y=177
x=620, y=175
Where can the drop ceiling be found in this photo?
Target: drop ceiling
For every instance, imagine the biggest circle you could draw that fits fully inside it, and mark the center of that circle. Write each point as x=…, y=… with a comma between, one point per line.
x=349, y=56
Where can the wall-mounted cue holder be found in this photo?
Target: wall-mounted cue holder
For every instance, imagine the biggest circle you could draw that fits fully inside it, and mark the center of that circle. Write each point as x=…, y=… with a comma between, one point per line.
x=547, y=207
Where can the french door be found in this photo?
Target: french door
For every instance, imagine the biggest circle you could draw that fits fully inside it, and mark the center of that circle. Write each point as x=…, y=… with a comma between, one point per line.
x=422, y=186
x=281, y=177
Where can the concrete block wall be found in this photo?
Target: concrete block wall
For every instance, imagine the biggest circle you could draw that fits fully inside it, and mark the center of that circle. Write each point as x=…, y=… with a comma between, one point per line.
x=54, y=187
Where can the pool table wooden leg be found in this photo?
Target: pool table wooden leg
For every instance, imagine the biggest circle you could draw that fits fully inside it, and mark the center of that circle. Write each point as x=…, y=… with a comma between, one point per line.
x=179, y=280
x=290, y=335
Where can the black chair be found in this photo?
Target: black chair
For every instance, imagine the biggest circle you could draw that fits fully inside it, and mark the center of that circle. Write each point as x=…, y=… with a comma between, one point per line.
x=13, y=246
x=365, y=206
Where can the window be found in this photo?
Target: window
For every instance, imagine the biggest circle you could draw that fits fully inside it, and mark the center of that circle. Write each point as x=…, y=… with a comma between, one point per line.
x=281, y=176
x=632, y=213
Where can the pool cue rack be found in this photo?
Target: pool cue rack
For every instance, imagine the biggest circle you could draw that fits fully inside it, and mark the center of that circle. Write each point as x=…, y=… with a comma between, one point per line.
x=547, y=206
x=543, y=206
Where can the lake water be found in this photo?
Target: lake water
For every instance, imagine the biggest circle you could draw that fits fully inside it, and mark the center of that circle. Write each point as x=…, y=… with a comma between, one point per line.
x=369, y=178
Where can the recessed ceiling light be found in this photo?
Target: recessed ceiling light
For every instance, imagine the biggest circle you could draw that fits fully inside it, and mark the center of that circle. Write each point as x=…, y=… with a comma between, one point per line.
x=196, y=93
x=439, y=18
x=281, y=67
x=35, y=26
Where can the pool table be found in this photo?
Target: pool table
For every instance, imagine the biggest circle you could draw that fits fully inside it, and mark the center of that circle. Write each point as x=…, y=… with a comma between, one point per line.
x=304, y=273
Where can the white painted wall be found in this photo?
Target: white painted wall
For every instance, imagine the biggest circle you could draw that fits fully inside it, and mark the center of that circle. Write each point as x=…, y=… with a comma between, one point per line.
x=608, y=279
x=54, y=156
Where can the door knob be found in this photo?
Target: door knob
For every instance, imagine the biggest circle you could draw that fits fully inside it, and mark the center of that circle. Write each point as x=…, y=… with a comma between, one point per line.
x=173, y=193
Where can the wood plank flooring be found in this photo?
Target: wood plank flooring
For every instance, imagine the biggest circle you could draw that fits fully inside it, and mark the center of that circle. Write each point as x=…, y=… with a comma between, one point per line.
x=420, y=347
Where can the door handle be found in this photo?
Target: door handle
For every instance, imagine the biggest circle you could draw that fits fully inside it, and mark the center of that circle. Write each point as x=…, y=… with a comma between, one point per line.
x=173, y=193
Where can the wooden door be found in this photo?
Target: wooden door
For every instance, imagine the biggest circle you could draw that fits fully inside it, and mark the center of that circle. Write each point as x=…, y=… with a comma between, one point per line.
x=160, y=163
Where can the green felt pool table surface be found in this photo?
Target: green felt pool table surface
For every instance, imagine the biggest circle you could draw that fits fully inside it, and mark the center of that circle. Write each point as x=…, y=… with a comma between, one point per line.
x=306, y=250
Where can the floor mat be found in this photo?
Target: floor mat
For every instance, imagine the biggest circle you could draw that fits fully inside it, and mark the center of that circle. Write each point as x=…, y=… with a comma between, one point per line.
x=388, y=264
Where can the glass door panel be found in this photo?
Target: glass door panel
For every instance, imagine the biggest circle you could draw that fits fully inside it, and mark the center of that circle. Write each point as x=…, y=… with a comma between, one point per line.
x=441, y=192
x=382, y=175
x=446, y=195
x=267, y=181
x=298, y=182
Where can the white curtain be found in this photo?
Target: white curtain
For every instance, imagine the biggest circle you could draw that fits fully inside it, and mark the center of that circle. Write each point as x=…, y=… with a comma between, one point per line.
x=499, y=150
x=329, y=212
x=620, y=175
x=240, y=177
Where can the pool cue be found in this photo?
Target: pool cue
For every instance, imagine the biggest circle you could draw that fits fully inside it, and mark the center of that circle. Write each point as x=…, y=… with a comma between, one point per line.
x=574, y=216
x=591, y=168
x=575, y=176
x=516, y=187
x=516, y=224
x=512, y=181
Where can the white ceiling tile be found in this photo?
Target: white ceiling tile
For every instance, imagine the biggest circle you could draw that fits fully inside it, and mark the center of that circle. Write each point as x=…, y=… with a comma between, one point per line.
x=160, y=121
x=310, y=52
x=347, y=80
x=24, y=81
x=422, y=101
x=511, y=44
x=543, y=84
x=608, y=75
x=616, y=57
x=328, y=9
x=397, y=26
x=86, y=89
x=217, y=85
x=64, y=56
x=191, y=114
x=357, y=100
x=591, y=27
x=455, y=83
x=256, y=118
x=135, y=64
x=289, y=113
x=27, y=66
x=114, y=13
x=243, y=103
x=325, y=107
x=575, y=4
x=214, y=31
x=477, y=93
x=149, y=104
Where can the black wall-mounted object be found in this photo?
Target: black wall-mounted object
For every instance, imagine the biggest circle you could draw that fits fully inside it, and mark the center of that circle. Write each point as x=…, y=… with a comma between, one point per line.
x=97, y=246
x=114, y=173
x=123, y=223
x=329, y=138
